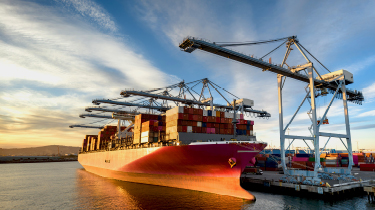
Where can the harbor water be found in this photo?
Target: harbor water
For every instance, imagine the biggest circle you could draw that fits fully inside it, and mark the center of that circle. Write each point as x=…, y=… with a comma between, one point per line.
x=66, y=185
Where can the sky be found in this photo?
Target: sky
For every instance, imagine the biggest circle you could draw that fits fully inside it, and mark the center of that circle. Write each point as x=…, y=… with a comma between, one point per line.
x=57, y=56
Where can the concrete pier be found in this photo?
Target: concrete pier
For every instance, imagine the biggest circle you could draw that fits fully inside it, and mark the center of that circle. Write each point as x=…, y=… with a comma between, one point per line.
x=271, y=182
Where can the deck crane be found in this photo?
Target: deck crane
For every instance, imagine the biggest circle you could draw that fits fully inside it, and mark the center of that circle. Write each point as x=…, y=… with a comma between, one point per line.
x=178, y=94
x=334, y=82
x=85, y=126
x=115, y=115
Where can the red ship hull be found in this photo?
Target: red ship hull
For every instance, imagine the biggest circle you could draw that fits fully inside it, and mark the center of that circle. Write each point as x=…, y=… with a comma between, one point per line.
x=202, y=166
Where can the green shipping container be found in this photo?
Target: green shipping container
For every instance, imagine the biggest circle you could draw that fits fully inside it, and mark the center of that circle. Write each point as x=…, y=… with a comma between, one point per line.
x=312, y=159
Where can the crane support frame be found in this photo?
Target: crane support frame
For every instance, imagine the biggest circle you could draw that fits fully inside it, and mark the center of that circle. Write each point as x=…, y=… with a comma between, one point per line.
x=337, y=87
x=316, y=134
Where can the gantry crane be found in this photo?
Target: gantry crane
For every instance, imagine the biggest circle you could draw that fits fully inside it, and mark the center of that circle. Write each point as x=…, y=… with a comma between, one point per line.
x=334, y=83
x=158, y=99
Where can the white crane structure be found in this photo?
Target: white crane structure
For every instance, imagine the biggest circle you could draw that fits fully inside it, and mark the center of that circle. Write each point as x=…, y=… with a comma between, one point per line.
x=159, y=100
x=318, y=85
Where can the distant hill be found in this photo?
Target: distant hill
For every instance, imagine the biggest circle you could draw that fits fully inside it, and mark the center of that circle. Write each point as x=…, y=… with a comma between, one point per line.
x=37, y=151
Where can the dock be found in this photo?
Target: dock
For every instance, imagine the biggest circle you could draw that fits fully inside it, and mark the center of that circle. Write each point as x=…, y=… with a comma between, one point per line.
x=271, y=182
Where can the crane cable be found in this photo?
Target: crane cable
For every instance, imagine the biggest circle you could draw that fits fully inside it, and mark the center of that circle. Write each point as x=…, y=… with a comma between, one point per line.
x=314, y=57
x=250, y=43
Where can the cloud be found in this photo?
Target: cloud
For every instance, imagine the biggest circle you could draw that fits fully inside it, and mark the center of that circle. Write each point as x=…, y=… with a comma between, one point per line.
x=367, y=114
x=362, y=127
x=56, y=60
x=369, y=92
x=94, y=12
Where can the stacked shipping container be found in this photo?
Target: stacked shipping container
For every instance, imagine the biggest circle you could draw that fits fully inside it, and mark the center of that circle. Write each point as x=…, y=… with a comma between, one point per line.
x=148, y=128
x=182, y=119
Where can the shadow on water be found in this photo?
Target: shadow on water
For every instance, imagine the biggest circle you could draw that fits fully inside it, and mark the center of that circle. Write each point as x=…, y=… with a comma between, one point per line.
x=98, y=192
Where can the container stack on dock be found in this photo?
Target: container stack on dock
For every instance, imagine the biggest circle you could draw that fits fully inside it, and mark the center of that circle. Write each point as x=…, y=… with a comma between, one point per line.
x=183, y=119
x=303, y=161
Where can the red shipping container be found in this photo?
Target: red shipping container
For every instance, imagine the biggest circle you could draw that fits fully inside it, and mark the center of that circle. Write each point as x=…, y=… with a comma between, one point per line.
x=198, y=129
x=155, y=128
x=222, y=120
x=217, y=131
x=226, y=126
x=200, y=117
x=222, y=131
x=186, y=116
x=184, y=129
x=242, y=122
x=248, y=132
x=204, y=119
x=218, y=120
x=180, y=116
x=241, y=116
x=196, y=111
x=245, y=122
x=195, y=117
x=194, y=129
x=217, y=125
x=186, y=110
x=191, y=116
x=189, y=123
x=204, y=130
x=191, y=111
x=222, y=126
x=200, y=112
x=209, y=125
x=194, y=123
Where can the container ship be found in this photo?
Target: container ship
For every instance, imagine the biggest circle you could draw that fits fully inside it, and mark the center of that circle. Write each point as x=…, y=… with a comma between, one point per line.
x=204, y=148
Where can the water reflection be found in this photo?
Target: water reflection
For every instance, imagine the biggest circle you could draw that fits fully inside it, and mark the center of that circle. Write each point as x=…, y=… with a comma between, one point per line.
x=99, y=192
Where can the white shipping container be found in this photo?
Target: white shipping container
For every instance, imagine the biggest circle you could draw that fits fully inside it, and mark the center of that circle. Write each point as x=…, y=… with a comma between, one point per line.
x=145, y=134
x=205, y=113
x=213, y=113
x=199, y=124
x=251, y=133
x=228, y=115
x=144, y=139
x=190, y=129
x=238, y=116
x=180, y=109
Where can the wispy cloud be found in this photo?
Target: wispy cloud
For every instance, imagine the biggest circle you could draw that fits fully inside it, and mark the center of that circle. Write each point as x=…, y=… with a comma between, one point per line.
x=94, y=12
x=55, y=62
x=369, y=92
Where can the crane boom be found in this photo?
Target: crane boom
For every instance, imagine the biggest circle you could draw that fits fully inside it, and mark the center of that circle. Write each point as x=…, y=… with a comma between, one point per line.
x=85, y=126
x=190, y=44
x=187, y=101
x=98, y=101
